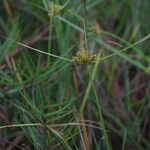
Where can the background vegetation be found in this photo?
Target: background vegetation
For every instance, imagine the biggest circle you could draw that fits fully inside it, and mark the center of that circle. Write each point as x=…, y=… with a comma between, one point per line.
x=47, y=101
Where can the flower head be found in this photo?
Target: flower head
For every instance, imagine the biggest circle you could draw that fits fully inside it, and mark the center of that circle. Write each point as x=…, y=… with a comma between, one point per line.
x=84, y=57
x=54, y=9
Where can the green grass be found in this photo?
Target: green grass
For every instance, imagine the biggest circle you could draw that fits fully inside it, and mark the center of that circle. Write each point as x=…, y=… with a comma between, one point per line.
x=47, y=101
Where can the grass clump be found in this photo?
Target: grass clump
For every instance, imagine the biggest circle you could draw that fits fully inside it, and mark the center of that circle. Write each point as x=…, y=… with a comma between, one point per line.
x=95, y=99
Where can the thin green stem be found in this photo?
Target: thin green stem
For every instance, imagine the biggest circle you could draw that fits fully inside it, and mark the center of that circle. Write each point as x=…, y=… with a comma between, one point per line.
x=85, y=24
x=37, y=50
x=50, y=38
x=54, y=125
x=126, y=48
x=124, y=139
x=89, y=84
x=20, y=125
x=102, y=122
x=85, y=35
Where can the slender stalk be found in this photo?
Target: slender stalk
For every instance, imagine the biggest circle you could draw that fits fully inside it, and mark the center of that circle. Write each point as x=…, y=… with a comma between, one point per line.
x=53, y=125
x=124, y=139
x=84, y=129
x=101, y=118
x=90, y=84
x=37, y=50
x=126, y=48
x=85, y=24
x=87, y=93
x=50, y=38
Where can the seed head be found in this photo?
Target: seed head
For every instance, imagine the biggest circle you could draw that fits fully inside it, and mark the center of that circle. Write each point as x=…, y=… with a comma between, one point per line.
x=84, y=57
x=54, y=9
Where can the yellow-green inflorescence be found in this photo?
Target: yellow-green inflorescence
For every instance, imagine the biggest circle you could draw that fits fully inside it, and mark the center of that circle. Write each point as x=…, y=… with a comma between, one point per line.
x=84, y=57
x=54, y=9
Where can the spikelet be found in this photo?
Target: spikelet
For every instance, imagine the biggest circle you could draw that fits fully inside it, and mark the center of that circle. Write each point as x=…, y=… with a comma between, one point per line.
x=84, y=57
x=54, y=9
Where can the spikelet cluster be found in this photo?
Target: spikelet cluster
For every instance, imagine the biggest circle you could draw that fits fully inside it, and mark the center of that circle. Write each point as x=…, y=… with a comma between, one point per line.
x=84, y=57
x=54, y=9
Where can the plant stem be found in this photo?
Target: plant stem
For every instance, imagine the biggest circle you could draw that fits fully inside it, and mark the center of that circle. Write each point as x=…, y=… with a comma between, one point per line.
x=124, y=139
x=85, y=24
x=101, y=118
x=90, y=84
x=50, y=38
